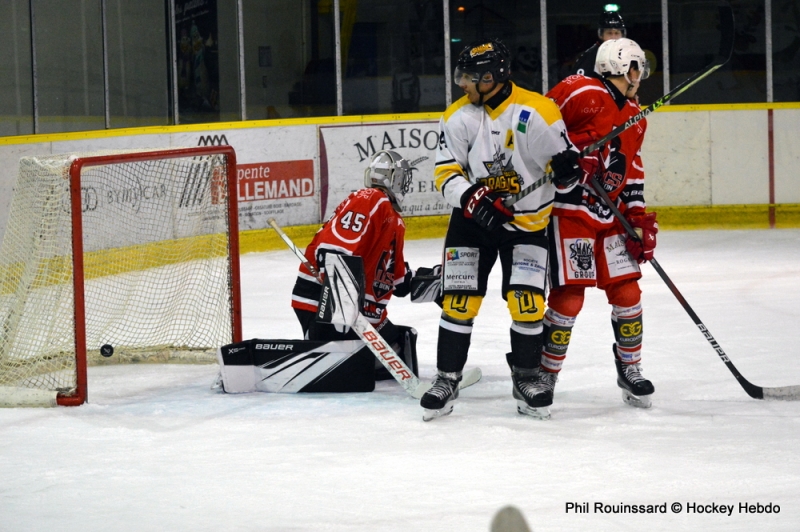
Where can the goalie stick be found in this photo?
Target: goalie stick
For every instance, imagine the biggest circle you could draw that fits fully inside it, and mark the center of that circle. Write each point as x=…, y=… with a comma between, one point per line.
x=786, y=393
x=372, y=339
x=725, y=50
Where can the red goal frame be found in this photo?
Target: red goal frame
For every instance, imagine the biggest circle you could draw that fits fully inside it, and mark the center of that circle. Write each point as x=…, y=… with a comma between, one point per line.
x=81, y=393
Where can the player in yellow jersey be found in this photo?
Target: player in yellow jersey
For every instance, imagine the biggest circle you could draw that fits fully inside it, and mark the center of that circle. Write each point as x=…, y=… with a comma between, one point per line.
x=494, y=141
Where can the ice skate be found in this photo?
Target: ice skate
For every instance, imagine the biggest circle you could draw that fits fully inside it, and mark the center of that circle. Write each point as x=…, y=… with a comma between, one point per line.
x=533, y=389
x=636, y=390
x=438, y=401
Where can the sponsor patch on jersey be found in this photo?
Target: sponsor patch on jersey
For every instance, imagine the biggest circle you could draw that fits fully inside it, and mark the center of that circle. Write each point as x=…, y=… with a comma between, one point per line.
x=617, y=257
x=524, y=116
x=580, y=263
x=528, y=266
x=461, y=269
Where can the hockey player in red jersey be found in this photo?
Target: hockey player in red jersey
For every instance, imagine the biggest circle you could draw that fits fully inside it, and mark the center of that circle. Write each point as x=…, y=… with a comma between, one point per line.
x=589, y=246
x=495, y=140
x=367, y=224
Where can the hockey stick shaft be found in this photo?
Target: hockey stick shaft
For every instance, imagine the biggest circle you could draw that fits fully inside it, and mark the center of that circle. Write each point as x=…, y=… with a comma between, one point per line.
x=294, y=248
x=791, y=393
x=726, y=48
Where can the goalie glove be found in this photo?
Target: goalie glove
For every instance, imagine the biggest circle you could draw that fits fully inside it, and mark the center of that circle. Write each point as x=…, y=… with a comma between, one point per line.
x=485, y=207
x=426, y=285
x=646, y=227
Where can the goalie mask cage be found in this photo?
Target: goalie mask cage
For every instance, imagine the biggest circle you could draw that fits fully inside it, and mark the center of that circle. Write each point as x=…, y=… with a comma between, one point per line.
x=137, y=249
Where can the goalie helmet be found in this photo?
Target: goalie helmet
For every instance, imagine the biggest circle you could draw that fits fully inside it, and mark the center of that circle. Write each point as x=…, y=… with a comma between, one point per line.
x=617, y=56
x=389, y=171
x=611, y=20
x=484, y=57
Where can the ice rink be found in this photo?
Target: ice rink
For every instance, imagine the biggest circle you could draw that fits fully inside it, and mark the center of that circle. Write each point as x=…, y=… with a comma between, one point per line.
x=157, y=449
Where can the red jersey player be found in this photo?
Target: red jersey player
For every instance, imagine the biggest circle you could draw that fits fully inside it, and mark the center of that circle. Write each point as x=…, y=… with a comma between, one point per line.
x=589, y=246
x=367, y=224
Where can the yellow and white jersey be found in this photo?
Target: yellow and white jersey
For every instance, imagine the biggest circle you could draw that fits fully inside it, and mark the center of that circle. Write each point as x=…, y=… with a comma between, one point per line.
x=506, y=148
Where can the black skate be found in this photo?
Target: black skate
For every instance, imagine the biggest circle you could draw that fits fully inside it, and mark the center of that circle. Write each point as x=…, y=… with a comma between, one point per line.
x=636, y=390
x=533, y=390
x=438, y=401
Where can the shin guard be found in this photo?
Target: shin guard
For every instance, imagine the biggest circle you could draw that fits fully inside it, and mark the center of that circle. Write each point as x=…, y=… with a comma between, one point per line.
x=557, y=335
x=628, y=330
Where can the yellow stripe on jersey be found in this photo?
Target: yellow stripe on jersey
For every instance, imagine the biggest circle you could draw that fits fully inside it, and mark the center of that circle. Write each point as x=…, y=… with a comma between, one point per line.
x=444, y=172
x=546, y=107
x=495, y=114
x=534, y=221
x=455, y=106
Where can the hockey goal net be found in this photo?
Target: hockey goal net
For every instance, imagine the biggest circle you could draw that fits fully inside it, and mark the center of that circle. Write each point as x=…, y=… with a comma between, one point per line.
x=137, y=250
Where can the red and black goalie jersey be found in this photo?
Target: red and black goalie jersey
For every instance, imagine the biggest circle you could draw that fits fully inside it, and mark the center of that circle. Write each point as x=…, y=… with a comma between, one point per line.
x=365, y=225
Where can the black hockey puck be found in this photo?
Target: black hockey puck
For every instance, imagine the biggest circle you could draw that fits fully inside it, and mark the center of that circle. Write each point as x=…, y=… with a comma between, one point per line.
x=107, y=350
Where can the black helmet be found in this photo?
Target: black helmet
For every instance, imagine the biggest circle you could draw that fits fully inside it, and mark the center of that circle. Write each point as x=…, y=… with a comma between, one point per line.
x=490, y=56
x=611, y=20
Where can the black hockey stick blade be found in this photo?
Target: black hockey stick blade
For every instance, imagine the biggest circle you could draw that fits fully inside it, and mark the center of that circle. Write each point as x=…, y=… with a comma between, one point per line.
x=725, y=51
x=785, y=393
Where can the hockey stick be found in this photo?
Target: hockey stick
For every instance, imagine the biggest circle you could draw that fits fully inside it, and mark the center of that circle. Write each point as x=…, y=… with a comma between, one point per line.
x=725, y=51
x=374, y=342
x=786, y=393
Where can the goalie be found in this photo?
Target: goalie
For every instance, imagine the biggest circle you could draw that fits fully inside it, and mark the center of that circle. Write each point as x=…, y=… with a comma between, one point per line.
x=369, y=224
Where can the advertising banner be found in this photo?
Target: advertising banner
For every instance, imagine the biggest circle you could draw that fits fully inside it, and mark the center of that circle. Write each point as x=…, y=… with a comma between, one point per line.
x=275, y=169
x=345, y=152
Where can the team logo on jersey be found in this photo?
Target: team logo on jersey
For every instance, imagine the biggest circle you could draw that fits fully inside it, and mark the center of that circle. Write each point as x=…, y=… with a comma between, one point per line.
x=384, y=274
x=615, y=164
x=581, y=255
x=502, y=176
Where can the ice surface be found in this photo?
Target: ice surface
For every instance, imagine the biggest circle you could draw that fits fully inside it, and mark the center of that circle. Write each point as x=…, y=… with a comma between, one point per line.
x=156, y=449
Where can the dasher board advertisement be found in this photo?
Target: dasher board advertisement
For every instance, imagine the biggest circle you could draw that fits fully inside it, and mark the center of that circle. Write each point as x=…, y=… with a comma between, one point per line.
x=345, y=152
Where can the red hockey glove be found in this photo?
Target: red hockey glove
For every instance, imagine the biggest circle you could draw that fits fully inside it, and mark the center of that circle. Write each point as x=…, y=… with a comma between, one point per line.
x=589, y=166
x=485, y=207
x=566, y=170
x=646, y=227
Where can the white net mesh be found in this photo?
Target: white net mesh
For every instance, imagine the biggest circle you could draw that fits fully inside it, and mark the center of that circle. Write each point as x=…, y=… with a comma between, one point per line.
x=157, y=274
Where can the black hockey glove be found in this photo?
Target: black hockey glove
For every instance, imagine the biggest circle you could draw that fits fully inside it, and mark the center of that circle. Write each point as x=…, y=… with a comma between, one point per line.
x=403, y=288
x=486, y=207
x=566, y=170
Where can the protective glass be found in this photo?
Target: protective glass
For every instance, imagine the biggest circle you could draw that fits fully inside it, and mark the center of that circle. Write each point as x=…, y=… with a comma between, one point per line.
x=462, y=76
x=644, y=69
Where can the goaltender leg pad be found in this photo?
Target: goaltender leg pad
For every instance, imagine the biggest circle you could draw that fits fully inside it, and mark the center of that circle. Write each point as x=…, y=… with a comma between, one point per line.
x=405, y=345
x=296, y=366
x=342, y=295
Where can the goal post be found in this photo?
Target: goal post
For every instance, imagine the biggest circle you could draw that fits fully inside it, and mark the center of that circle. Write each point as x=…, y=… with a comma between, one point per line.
x=136, y=249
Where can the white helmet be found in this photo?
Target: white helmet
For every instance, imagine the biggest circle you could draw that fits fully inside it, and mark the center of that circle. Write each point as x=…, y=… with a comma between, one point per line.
x=617, y=56
x=390, y=172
